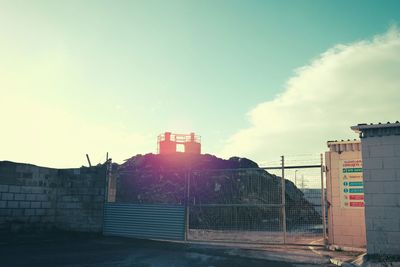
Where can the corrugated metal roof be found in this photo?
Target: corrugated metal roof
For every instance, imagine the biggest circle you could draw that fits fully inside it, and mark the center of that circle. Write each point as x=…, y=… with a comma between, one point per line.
x=364, y=126
x=379, y=129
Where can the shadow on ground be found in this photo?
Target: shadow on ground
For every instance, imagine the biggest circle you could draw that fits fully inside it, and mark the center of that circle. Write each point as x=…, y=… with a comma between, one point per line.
x=77, y=250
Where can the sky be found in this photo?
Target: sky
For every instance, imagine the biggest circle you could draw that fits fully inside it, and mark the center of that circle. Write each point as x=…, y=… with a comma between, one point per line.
x=257, y=79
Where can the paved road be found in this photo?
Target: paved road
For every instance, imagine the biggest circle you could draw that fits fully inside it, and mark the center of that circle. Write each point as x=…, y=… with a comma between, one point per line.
x=89, y=251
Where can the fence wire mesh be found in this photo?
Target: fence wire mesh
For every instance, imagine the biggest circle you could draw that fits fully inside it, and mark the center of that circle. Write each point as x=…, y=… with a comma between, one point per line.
x=239, y=205
x=150, y=187
x=234, y=205
x=247, y=205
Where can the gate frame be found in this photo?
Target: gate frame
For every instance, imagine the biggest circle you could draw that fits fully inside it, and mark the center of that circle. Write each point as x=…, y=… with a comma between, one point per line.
x=283, y=199
x=282, y=204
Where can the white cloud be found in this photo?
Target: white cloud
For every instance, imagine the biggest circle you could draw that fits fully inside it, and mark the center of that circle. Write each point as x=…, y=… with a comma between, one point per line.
x=346, y=85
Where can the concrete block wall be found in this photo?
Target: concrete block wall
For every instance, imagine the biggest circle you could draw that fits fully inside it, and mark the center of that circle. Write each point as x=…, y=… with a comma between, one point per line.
x=37, y=198
x=80, y=199
x=381, y=156
x=27, y=196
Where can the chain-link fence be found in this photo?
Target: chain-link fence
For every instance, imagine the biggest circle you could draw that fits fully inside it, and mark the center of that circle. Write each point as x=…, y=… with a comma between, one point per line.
x=257, y=205
x=150, y=187
x=275, y=204
x=235, y=205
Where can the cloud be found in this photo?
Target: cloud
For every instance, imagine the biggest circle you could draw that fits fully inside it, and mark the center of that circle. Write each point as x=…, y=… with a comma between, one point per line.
x=346, y=85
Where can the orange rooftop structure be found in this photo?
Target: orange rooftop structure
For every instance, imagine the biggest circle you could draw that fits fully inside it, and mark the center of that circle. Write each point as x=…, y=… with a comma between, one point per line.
x=170, y=143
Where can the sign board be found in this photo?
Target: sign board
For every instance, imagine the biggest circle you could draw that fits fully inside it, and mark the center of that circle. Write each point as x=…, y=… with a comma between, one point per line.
x=351, y=183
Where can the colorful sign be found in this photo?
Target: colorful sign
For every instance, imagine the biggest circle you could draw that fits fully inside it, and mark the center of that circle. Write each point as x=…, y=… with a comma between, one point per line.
x=351, y=183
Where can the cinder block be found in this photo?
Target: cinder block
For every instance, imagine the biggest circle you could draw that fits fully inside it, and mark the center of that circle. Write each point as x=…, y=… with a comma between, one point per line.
x=392, y=213
x=35, y=205
x=101, y=199
x=40, y=212
x=397, y=150
x=14, y=189
x=391, y=163
x=67, y=198
x=373, y=187
x=5, y=212
x=391, y=140
x=26, y=189
x=73, y=205
x=19, y=196
x=392, y=249
x=365, y=151
x=37, y=190
x=382, y=175
x=51, y=212
x=12, y=204
x=371, y=142
x=369, y=225
x=41, y=197
x=18, y=213
x=394, y=238
x=3, y=204
x=30, y=197
x=24, y=204
x=34, y=219
x=387, y=225
x=375, y=213
x=370, y=247
x=366, y=175
x=7, y=196
x=3, y=188
x=391, y=187
x=46, y=205
x=373, y=163
x=382, y=151
x=29, y=212
x=385, y=200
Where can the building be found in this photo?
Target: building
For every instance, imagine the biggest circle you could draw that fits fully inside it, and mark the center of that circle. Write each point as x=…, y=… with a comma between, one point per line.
x=381, y=171
x=171, y=143
x=344, y=183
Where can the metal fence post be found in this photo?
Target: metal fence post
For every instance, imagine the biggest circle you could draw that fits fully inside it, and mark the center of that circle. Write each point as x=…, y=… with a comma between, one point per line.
x=187, y=205
x=106, y=189
x=283, y=200
x=323, y=202
x=108, y=179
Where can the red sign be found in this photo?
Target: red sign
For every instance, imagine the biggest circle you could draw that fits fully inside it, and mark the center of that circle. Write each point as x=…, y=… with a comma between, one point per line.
x=356, y=204
x=356, y=197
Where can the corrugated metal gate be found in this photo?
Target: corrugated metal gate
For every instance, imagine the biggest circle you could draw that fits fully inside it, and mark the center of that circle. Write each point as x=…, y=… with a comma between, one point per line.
x=141, y=210
x=144, y=221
